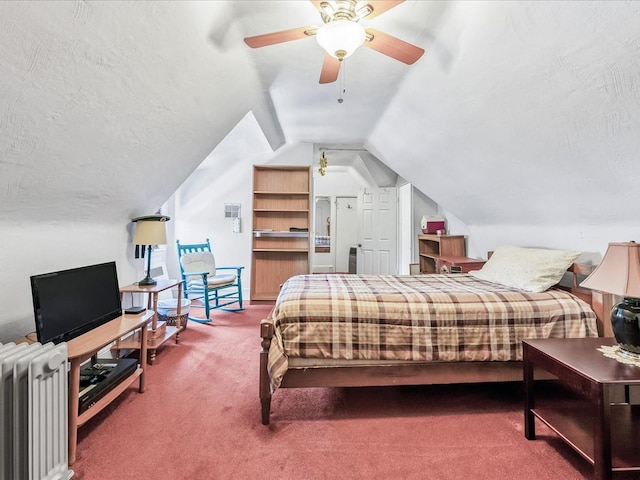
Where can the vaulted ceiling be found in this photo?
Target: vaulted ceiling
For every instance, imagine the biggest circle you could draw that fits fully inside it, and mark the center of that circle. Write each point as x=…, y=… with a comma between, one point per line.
x=518, y=112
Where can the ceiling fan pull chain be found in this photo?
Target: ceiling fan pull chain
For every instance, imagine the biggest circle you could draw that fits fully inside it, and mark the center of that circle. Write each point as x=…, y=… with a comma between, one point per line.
x=342, y=80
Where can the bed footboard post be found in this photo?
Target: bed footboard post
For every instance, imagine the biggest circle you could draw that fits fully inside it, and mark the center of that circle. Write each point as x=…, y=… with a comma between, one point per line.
x=266, y=332
x=602, y=304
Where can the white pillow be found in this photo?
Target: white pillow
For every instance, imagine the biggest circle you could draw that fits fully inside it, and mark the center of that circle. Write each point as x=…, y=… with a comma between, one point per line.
x=529, y=269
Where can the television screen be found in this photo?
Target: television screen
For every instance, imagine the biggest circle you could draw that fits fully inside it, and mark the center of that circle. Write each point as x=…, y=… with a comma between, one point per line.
x=71, y=302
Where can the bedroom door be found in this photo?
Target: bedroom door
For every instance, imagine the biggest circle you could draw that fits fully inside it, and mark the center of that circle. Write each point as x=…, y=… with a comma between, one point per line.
x=377, y=232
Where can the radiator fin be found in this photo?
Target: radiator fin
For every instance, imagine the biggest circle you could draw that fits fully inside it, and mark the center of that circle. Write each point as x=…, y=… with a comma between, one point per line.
x=33, y=402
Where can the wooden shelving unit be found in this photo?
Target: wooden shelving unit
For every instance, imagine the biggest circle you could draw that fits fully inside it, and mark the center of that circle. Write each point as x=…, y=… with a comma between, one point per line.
x=281, y=219
x=156, y=337
x=432, y=247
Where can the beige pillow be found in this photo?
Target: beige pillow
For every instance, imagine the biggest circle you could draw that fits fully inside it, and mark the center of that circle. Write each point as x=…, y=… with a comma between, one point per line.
x=529, y=269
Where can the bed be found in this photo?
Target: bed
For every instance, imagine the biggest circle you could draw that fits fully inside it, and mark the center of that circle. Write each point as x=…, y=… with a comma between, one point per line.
x=344, y=330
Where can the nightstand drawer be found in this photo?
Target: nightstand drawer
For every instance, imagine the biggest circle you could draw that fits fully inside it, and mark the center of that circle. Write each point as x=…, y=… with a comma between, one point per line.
x=458, y=264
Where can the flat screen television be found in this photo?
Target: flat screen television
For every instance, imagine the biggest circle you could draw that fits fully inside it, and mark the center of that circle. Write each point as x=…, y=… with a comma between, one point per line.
x=71, y=302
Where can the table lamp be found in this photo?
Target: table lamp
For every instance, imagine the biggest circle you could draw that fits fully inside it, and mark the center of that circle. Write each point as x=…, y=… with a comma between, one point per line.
x=150, y=230
x=619, y=274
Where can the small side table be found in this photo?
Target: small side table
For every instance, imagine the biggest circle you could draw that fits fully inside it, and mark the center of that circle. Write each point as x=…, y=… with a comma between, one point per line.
x=603, y=432
x=155, y=338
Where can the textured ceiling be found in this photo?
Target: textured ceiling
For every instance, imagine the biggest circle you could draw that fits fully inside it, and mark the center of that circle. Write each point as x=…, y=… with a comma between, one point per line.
x=519, y=112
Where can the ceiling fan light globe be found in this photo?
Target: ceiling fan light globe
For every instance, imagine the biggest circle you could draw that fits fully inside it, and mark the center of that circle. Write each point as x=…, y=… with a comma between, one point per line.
x=340, y=38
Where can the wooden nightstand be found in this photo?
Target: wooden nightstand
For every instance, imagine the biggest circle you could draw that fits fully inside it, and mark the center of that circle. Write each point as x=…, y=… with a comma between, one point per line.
x=452, y=264
x=601, y=429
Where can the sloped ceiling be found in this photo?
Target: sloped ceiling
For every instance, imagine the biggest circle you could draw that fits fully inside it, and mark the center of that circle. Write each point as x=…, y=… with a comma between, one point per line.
x=531, y=118
x=106, y=107
x=519, y=112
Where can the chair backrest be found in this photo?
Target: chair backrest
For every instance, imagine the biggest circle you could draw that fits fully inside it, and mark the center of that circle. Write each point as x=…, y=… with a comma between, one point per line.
x=184, y=249
x=198, y=262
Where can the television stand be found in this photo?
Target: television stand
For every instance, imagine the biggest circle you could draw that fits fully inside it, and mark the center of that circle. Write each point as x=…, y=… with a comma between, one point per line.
x=86, y=346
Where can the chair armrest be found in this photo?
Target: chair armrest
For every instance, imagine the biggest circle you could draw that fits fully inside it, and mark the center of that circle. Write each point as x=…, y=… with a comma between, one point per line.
x=229, y=268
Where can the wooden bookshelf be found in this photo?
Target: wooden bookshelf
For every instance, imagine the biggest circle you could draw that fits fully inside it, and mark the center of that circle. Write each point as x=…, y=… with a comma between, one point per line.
x=281, y=220
x=431, y=248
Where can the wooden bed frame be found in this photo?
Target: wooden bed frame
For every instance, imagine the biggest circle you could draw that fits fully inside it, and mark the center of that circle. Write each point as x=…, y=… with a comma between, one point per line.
x=416, y=373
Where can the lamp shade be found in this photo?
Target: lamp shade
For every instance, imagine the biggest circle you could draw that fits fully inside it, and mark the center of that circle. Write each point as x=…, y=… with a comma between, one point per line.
x=340, y=38
x=150, y=230
x=618, y=272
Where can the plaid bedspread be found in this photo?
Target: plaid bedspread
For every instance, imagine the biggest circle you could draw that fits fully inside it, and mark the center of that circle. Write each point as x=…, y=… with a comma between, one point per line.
x=444, y=318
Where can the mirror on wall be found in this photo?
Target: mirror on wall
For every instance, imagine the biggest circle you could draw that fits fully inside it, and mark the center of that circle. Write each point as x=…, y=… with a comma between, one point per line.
x=323, y=224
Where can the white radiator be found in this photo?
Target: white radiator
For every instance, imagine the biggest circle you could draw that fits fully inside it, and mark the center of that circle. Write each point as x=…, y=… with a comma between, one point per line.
x=33, y=412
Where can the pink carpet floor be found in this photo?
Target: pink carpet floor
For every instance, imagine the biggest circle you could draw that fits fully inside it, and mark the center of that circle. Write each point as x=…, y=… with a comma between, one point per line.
x=200, y=419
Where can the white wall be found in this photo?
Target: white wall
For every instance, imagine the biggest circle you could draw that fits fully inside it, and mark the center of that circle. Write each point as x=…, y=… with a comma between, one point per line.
x=422, y=205
x=35, y=248
x=338, y=182
x=592, y=240
x=226, y=176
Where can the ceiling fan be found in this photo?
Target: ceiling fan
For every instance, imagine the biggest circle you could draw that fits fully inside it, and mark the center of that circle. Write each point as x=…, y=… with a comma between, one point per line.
x=341, y=34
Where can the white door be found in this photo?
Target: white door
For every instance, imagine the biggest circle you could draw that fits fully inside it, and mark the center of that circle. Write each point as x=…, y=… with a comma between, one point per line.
x=377, y=232
x=346, y=231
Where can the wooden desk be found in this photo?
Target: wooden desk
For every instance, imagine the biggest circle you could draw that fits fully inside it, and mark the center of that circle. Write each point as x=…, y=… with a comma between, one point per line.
x=452, y=264
x=603, y=432
x=86, y=346
x=133, y=342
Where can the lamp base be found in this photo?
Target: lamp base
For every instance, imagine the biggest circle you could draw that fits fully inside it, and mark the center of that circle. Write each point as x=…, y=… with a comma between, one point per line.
x=146, y=281
x=625, y=321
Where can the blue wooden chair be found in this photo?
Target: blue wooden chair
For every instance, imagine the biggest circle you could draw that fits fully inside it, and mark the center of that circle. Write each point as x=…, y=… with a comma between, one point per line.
x=217, y=287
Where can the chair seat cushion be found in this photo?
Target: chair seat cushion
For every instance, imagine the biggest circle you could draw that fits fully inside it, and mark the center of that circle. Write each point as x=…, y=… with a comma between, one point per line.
x=214, y=281
x=219, y=280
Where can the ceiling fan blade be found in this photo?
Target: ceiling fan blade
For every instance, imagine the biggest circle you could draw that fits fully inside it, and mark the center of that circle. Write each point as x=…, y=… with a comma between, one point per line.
x=393, y=47
x=280, y=37
x=378, y=7
x=330, y=69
